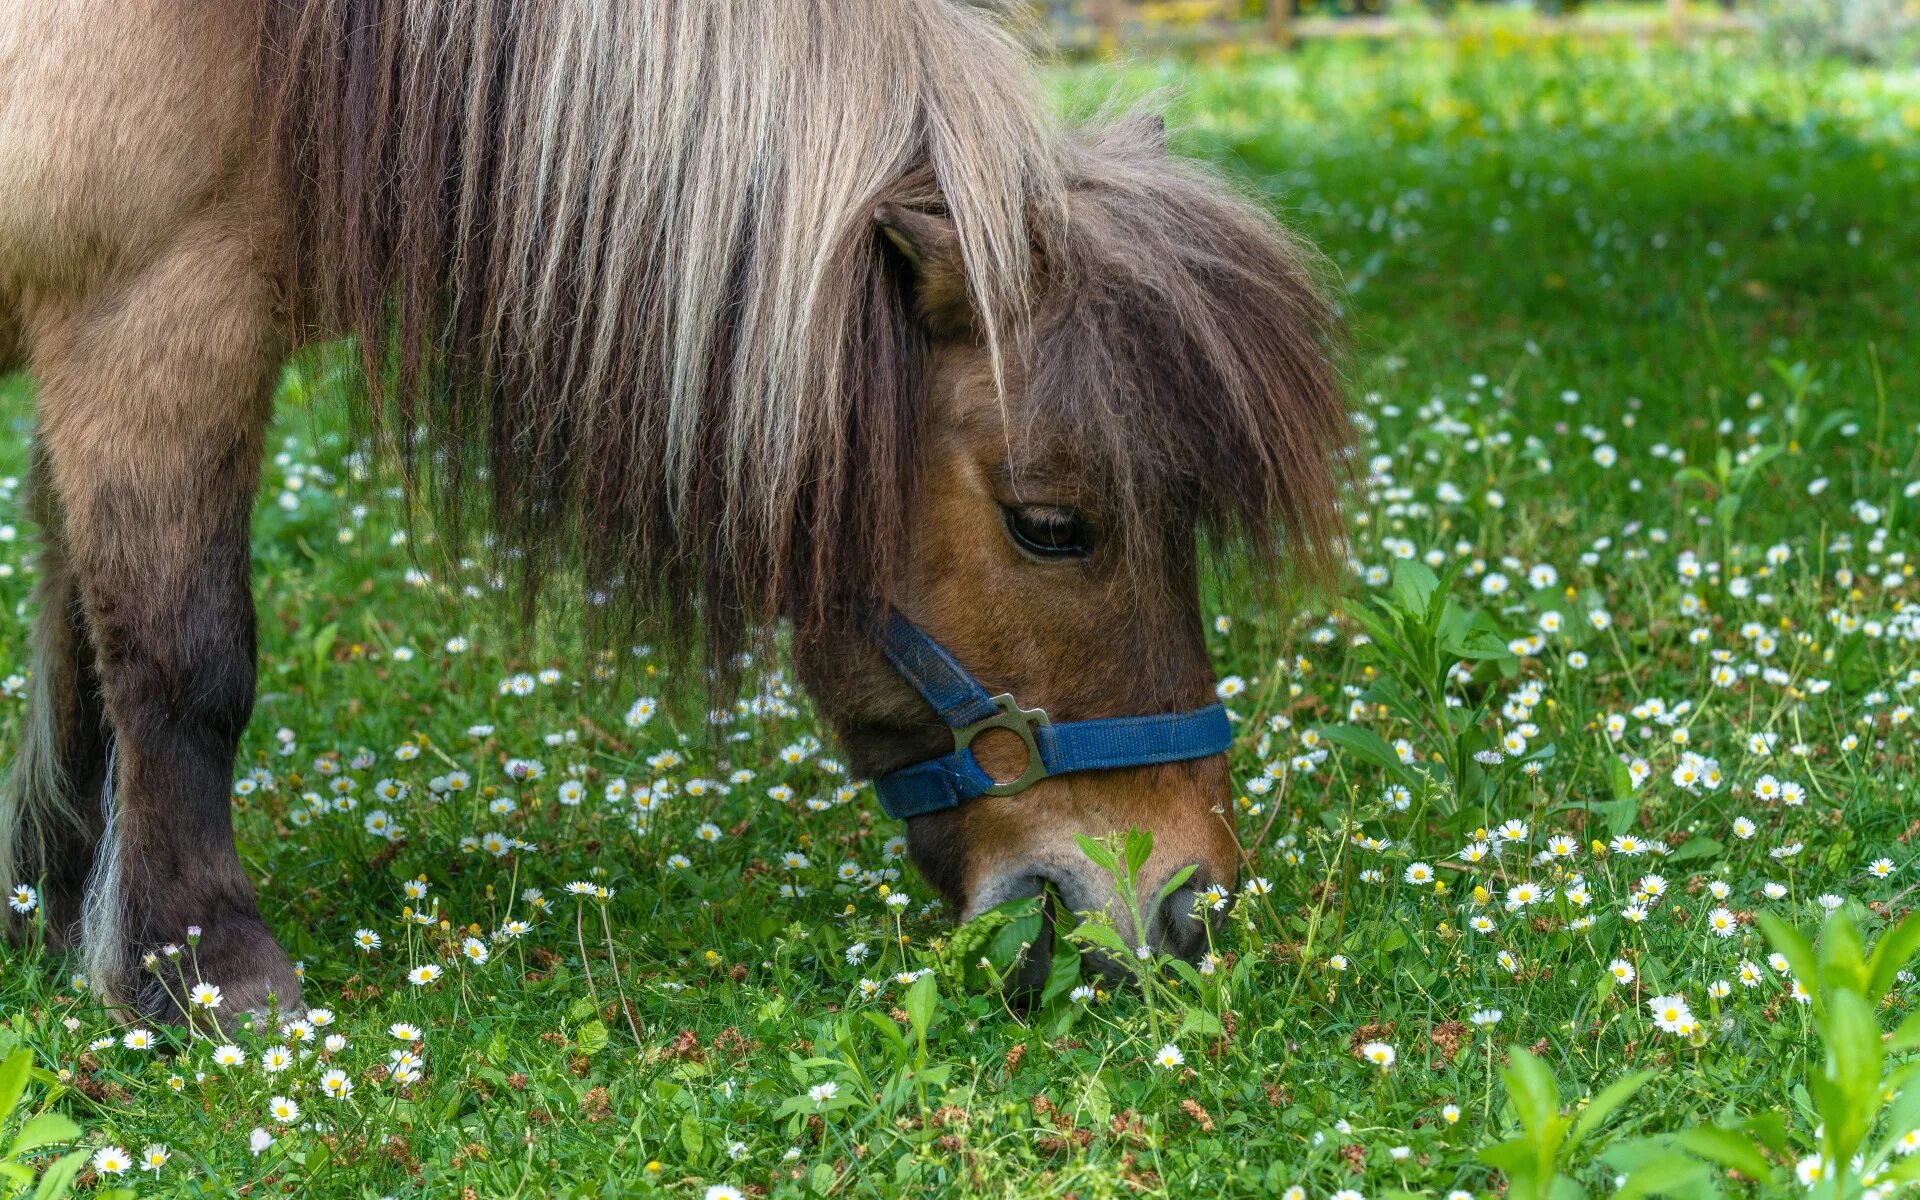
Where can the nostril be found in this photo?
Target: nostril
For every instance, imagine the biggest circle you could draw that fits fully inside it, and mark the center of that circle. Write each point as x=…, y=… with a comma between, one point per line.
x=1181, y=927
x=1175, y=930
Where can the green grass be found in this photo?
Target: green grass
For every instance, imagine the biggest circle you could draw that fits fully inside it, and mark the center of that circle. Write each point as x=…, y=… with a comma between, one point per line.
x=1550, y=248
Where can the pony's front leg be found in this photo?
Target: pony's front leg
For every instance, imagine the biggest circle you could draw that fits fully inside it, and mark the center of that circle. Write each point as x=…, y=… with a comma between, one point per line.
x=153, y=405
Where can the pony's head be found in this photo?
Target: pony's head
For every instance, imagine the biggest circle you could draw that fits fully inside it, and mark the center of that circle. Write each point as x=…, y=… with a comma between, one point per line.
x=813, y=312
x=1170, y=386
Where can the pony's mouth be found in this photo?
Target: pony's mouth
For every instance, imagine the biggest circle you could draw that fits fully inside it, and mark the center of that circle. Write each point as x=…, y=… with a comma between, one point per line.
x=1174, y=927
x=1024, y=985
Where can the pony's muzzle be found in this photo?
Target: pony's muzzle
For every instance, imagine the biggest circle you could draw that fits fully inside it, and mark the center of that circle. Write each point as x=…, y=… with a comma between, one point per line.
x=1182, y=926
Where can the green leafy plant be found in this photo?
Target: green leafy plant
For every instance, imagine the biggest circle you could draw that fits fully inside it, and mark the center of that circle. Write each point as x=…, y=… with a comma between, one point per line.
x=1535, y=1159
x=37, y=1133
x=1418, y=635
x=908, y=1057
x=1124, y=858
x=883, y=1084
x=1735, y=471
x=1865, y=1104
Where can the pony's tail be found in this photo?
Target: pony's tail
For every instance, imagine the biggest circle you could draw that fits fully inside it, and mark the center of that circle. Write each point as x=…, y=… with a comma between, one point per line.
x=48, y=830
x=37, y=795
x=39, y=814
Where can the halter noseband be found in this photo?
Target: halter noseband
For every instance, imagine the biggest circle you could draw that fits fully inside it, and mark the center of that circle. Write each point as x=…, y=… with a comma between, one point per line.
x=1053, y=748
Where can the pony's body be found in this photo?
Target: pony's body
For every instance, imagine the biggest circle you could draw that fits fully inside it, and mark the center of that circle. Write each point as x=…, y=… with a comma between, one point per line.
x=618, y=270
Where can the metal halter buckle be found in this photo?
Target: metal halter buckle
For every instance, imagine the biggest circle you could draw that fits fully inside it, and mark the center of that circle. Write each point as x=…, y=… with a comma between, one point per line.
x=1021, y=722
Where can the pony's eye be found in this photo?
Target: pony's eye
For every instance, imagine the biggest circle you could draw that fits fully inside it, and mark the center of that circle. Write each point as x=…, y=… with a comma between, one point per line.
x=1047, y=531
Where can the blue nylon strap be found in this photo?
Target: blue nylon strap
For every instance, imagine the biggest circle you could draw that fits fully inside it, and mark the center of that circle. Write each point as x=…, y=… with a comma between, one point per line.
x=1112, y=742
x=932, y=786
x=925, y=663
x=1098, y=745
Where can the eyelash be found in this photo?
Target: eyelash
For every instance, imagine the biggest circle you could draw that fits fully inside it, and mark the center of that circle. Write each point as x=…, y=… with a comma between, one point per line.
x=1048, y=531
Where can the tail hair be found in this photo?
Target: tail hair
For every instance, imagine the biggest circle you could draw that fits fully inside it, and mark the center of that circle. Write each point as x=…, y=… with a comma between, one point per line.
x=37, y=802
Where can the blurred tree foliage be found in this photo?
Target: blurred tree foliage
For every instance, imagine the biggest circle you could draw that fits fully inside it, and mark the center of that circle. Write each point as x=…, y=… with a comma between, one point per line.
x=1868, y=32
x=1186, y=15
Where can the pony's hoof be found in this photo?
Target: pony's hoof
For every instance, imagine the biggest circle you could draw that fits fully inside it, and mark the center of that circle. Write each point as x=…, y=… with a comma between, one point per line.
x=219, y=985
x=219, y=1009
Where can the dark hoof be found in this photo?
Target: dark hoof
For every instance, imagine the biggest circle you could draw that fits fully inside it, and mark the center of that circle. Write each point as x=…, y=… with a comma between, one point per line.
x=218, y=985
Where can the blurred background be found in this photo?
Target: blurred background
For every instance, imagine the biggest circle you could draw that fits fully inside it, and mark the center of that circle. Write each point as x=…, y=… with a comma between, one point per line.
x=1864, y=29
x=1656, y=206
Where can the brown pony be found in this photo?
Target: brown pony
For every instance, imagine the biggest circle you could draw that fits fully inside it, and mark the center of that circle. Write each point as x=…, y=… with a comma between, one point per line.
x=749, y=311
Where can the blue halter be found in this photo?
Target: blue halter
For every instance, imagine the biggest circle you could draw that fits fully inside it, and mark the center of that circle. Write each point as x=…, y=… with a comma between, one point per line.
x=1052, y=748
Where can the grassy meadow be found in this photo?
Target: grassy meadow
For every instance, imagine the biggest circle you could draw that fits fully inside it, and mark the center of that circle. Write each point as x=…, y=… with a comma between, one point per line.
x=1627, y=661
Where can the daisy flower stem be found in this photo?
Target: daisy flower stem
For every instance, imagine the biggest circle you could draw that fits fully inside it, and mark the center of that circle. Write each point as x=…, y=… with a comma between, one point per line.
x=580, y=937
x=613, y=963
x=180, y=1003
x=1626, y=664
x=1486, y=1096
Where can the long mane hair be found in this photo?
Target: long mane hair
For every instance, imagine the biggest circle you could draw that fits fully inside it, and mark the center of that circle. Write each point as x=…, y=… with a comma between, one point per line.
x=615, y=278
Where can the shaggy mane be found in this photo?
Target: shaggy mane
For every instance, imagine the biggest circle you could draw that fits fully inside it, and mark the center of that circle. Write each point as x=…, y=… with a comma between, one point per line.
x=1188, y=357
x=614, y=274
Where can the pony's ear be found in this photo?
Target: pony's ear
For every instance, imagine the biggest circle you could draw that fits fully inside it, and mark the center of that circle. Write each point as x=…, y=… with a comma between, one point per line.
x=929, y=247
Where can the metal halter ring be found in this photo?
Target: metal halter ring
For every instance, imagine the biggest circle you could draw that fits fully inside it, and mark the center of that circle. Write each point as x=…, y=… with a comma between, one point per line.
x=1021, y=722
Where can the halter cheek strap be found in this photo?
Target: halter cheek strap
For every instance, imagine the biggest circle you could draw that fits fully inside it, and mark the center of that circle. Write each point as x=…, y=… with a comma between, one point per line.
x=1053, y=748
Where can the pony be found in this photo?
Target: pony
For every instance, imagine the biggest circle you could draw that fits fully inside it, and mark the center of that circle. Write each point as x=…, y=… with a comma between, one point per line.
x=799, y=315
